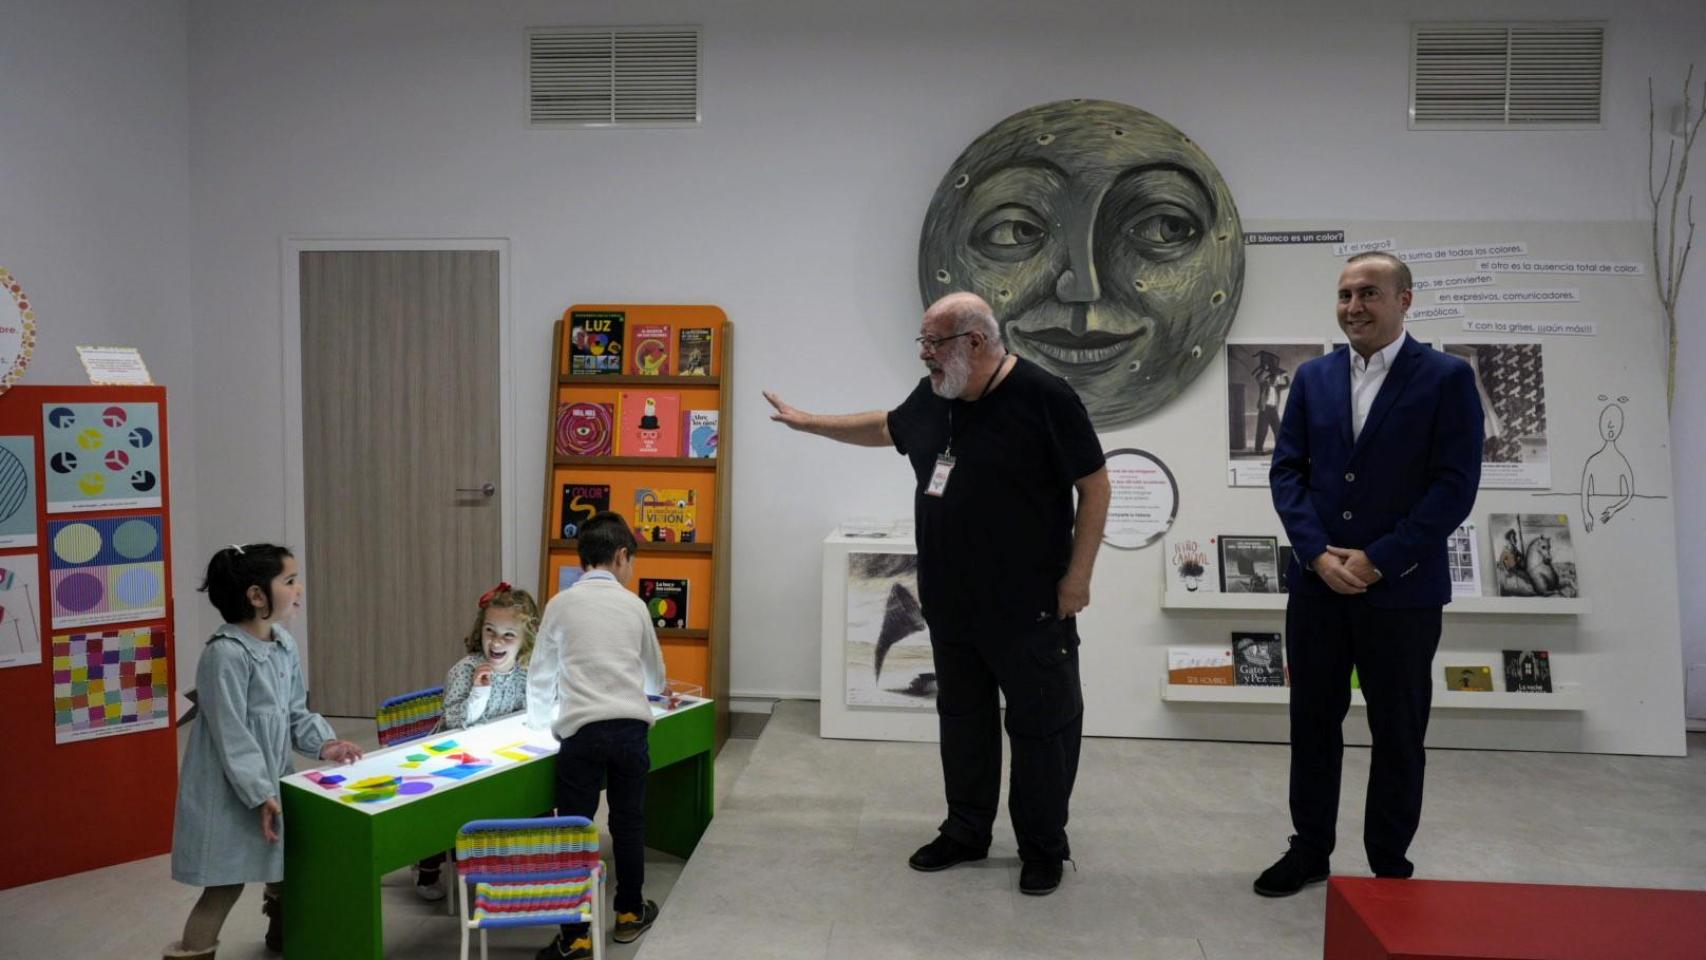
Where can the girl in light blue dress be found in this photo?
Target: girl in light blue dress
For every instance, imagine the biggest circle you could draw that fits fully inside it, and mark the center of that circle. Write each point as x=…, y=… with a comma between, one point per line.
x=253, y=710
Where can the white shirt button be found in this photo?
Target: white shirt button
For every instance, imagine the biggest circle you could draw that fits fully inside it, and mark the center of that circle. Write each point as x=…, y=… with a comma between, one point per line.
x=1347, y=514
x=1350, y=478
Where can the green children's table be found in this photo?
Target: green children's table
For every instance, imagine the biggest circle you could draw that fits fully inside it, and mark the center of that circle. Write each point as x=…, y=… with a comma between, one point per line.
x=346, y=827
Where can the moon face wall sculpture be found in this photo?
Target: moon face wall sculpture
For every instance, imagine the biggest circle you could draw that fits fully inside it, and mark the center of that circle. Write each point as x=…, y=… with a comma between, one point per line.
x=1106, y=242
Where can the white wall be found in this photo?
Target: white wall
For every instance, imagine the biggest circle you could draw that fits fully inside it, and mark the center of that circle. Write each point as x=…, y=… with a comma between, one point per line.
x=95, y=211
x=797, y=205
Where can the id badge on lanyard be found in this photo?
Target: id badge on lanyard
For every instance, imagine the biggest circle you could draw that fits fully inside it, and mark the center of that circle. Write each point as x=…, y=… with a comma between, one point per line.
x=939, y=478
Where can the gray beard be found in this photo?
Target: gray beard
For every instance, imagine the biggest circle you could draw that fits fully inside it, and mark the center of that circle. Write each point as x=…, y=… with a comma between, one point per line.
x=956, y=372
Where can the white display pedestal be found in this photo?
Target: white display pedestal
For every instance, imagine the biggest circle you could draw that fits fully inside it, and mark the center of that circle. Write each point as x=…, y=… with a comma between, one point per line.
x=836, y=718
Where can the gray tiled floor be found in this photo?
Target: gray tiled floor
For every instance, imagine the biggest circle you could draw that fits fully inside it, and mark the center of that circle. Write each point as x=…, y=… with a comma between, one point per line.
x=806, y=857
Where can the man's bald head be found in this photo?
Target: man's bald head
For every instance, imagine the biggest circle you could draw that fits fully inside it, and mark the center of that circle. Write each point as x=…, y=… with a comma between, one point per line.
x=965, y=313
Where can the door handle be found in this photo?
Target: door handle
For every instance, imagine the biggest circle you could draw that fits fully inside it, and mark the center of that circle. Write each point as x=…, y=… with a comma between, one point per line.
x=484, y=489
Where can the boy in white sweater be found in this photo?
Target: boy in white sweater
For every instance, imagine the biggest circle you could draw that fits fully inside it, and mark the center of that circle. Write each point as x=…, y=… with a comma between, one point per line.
x=595, y=662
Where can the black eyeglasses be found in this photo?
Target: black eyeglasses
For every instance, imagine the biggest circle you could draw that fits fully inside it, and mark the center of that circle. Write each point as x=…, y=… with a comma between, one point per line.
x=935, y=343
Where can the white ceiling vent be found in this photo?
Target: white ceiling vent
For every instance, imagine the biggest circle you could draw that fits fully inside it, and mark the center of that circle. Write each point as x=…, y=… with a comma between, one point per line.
x=613, y=76
x=1507, y=76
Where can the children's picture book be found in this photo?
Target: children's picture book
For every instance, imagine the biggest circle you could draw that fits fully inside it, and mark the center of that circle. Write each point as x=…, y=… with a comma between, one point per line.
x=693, y=354
x=650, y=349
x=1463, y=559
x=666, y=600
x=585, y=429
x=1535, y=558
x=1200, y=666
x=651, y=423
x=1193, y=565
x=1249, y=564
x=1528, y=671
x=1258, y=659
x=665, y=515
x=580, y=502
x=595, y=342
x=700, y=429
x=1475, y=677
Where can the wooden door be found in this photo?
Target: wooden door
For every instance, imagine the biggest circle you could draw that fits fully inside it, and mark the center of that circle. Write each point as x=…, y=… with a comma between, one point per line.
x=400, y=423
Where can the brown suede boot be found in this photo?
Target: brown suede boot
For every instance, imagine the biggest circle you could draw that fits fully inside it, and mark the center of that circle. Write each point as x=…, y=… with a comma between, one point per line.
x=175, y=951
x=273, y=907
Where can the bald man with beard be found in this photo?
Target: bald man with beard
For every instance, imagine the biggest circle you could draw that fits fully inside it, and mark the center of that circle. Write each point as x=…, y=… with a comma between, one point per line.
x=998, y=446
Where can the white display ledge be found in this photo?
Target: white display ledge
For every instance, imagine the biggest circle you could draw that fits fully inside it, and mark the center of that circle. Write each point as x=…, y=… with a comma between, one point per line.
x=1520, y=606
x=1563, y=698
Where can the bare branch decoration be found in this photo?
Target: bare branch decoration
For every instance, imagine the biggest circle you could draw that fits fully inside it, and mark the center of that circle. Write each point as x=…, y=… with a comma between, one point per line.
x=1670, y=258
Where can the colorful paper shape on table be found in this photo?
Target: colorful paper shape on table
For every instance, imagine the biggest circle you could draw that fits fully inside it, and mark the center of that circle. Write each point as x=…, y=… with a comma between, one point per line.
x=17, y=492
x=369, y=796
x=374, y=783
x=109, y=683
x=443, y=746
x=106, y=571
x=414, y=788
x=20, y=593
x=462, y=770
x=513, y=753
x=417, y=757
x=101, y=456
x=536, y=751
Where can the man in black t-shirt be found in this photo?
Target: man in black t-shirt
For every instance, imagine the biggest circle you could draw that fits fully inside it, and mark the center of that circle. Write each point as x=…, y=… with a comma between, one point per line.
x=998, y=446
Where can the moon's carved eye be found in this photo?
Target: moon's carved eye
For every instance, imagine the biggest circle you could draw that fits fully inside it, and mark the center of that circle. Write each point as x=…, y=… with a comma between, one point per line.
x=1163, y=231
x=1010, y=232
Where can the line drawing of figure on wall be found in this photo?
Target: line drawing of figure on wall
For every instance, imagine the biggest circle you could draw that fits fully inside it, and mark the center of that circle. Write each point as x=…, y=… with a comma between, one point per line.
x=1608, y=480
x=1607, y=471
x=1106, y=242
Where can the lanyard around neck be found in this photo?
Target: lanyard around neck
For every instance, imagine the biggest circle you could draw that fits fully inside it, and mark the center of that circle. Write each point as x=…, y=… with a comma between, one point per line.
x=948, y=451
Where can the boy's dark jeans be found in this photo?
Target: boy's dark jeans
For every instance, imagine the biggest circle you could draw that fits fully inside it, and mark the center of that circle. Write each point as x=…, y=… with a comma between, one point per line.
x=613, y=754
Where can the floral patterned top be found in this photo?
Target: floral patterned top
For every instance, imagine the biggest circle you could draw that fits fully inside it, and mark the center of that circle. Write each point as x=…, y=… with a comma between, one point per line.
x=466, y=705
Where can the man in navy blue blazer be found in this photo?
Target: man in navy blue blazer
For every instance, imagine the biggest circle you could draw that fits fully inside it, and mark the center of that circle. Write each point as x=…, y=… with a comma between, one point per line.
x=1377, y=462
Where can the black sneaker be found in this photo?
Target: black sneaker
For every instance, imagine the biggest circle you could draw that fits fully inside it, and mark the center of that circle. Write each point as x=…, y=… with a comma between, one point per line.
x=629, y=926
x=273, y=908
x=942, y=853
x=1039, y=878
x=1292, y=873
x=579, y=949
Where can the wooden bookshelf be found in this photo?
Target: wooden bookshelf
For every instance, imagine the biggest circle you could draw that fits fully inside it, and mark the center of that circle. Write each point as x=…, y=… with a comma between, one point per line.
x=698, y=653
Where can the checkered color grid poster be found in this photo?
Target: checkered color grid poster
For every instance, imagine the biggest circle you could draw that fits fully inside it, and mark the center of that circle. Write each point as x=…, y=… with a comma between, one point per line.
x=101, y=456
x=106, y=571
x=109, y=683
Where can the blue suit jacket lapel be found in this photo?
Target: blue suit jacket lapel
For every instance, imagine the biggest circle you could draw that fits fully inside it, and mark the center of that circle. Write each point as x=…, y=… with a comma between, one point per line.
x=1339, y=390
x=1403, y=366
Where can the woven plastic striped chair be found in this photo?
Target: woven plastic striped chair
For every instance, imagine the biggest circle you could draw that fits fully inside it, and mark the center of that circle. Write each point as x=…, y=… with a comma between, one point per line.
x=529, y=873
x=410, y=716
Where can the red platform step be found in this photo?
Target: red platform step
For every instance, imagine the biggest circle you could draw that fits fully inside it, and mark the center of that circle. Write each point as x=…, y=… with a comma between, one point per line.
x=1369, y=919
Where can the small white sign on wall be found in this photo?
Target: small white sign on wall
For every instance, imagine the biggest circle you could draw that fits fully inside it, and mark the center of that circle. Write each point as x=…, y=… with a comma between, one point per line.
x=114, y=366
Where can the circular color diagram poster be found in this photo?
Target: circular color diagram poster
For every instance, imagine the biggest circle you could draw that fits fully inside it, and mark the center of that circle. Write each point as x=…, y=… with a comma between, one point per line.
x=17, y=332
x=1145, y=499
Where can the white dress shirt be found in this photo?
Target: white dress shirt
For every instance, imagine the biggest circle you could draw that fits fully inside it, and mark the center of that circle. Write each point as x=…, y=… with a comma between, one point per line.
x=1366, y=378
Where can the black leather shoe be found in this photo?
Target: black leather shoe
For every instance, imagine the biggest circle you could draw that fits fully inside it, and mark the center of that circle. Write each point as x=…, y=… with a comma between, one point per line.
x=1039, y=878
x=1292, y=873
x=942, y=853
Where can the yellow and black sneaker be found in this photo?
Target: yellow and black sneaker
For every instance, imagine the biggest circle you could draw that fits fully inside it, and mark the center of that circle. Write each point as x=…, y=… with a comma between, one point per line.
x=579, y=948
x=629, y=926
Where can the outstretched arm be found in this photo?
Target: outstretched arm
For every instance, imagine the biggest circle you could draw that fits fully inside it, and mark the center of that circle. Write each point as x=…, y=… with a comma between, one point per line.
x=870, y=429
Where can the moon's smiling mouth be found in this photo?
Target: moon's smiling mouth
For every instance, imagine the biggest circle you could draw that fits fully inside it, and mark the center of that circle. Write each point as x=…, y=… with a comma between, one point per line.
x=1094, y=347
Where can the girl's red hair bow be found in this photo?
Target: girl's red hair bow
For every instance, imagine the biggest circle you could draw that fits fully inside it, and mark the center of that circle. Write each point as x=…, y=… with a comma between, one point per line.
x=490, y=595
